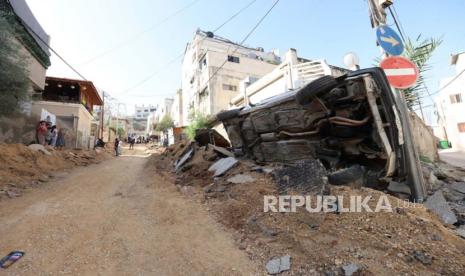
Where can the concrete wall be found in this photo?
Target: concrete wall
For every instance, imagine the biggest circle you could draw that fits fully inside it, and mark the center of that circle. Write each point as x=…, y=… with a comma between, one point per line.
x=423, y=138
x=18, y=129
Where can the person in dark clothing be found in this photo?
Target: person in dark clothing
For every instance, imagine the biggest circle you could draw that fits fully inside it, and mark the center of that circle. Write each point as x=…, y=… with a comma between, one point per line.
x=100, y=143
x=117, y=141
x=132, y=141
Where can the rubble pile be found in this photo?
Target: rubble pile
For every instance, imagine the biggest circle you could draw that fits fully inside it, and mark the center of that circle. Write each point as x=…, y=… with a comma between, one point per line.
x=22, y=167
x=410, y=240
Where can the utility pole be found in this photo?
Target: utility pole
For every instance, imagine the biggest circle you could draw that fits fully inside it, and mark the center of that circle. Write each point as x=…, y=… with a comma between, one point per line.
x=416, y=181
x=102, y=115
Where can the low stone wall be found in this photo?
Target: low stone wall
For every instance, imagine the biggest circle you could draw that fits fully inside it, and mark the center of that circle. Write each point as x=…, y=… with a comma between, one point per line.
x=423, y=138
x=18, y=128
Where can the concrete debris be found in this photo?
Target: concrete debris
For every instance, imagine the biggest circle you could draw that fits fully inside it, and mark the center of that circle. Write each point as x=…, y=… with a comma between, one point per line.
x=184, y=158
x=214, y=187
x=438, y=204
x=261, y=169
x=422, y=257
x=265, y=230
x=278, y=265
x=205, y=136
x=453, y=196
x=241, y=178
x=396, y=187
x=460, y=231
x=350, y=269
x=432, y=179
x=223, y=165
x=221, y=151
x=40, y=148
x=351, y=176
x=458, y=186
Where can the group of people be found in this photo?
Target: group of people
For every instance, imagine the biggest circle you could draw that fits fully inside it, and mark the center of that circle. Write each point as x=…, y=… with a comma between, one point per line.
x=48, y=134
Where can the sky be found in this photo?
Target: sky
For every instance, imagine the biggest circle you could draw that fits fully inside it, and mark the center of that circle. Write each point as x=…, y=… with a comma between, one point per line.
x=120, y=44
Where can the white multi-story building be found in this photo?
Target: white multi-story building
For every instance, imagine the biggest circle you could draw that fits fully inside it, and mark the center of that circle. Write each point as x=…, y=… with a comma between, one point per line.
x=176, y=109
x=143, y=111
x=451, y=106
x=208, y=90
x=157, y=116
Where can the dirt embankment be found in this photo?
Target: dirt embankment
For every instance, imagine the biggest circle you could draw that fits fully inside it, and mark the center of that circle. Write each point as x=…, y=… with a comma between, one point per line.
x=22, y=167
x=410, y=240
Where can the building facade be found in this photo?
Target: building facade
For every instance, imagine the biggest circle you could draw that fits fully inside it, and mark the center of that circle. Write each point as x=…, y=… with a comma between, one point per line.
x=450, y=105
x=144, y=111
x=176, y=109
x=206, y=88
x=31, y=39
x=72, y=103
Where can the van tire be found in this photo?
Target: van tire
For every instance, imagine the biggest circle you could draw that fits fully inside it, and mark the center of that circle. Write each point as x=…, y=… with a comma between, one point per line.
x=314, y=89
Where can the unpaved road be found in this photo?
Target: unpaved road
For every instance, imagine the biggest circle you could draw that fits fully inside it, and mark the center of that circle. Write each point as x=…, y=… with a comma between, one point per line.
x=115, y=218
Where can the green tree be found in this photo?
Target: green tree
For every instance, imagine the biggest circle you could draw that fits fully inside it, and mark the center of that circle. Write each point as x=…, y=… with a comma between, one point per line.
x=165, y=123
x=121, y=132
x=198, y=121
x=419, y=51
x=14, y=81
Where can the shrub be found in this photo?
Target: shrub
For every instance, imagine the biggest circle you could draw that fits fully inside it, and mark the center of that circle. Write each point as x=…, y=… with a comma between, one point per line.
x=165, y=123
x=198, y=121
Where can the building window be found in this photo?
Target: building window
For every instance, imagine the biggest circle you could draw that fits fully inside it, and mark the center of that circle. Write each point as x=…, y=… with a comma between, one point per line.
x=233, y=59
x=229, y=87
x=461, y=127
x=456, y=98
x=203, y=63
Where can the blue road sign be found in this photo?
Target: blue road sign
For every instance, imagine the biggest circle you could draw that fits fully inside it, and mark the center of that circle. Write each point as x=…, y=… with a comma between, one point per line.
x=389, y=40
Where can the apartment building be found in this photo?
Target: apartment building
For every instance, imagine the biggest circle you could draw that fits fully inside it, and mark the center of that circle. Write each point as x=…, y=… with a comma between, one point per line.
x=206, y=88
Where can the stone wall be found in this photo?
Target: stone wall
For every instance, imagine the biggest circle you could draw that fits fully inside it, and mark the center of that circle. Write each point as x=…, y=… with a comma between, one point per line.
x=423, y=138
x=18, y=128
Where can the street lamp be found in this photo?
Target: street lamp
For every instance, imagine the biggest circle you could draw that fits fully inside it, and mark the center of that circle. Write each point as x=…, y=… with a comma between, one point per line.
x=351, y=61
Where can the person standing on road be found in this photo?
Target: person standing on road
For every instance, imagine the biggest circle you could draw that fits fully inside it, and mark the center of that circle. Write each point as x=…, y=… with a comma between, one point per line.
x=132, y=140
x=60, y=142
x=117, y=142
x=53, y=136
x=41, y=132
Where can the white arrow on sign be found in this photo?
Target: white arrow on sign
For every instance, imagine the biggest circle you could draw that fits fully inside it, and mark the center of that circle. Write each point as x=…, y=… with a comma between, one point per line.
x=400, y=72
x=391, y=40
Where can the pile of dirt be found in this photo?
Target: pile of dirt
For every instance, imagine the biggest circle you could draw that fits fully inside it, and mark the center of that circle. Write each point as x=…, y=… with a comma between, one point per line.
x=23, y=167
x=410, y=240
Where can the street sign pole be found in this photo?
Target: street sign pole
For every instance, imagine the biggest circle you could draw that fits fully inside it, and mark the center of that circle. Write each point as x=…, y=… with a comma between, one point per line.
x=412, y=157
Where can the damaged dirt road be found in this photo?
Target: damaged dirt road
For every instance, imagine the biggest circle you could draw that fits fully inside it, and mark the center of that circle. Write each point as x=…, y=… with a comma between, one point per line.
x=112, y=219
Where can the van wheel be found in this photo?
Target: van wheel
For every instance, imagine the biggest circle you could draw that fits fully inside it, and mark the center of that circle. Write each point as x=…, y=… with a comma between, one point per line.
x=314, y=89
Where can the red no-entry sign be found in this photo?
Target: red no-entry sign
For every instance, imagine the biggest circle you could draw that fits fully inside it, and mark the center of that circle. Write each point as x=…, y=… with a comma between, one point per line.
x=401, y=72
